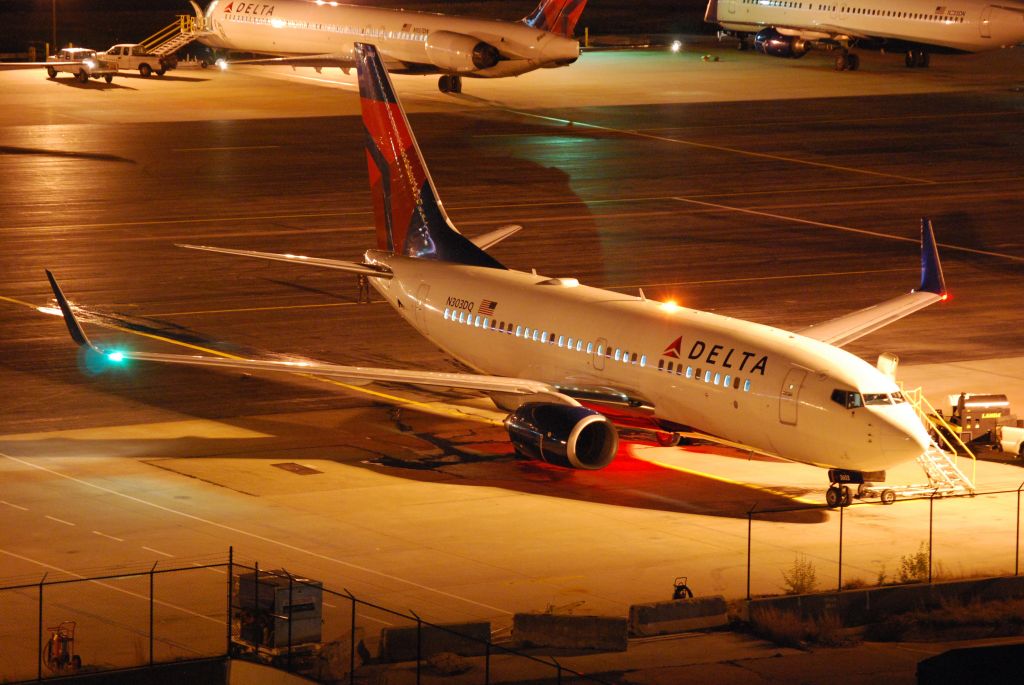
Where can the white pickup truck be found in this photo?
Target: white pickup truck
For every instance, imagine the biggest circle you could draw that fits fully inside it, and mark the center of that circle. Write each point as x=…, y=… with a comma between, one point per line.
x=82, y=62
x=1011, y=439
x=133, y=57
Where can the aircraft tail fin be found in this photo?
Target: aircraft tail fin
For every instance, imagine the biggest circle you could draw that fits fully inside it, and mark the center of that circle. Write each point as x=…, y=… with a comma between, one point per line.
x=556, y=16
x=410, y=218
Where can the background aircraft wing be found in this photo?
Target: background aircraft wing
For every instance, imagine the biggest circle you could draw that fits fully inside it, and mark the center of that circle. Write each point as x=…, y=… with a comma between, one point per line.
x=848, y=328
x=353, y=374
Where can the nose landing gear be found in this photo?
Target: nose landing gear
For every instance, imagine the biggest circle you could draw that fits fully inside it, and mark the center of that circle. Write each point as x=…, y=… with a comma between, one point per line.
x=838, y=496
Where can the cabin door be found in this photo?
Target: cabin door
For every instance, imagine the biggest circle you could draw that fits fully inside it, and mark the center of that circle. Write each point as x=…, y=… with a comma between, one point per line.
x=421, y=301
x=789, y=396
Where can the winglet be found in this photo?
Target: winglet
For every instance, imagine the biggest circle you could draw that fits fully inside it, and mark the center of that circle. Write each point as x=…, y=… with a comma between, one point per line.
x=931, y=268
x=74, y=328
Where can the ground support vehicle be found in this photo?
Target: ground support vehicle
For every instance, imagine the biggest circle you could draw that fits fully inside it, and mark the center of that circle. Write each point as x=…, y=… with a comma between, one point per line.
x=135, y=57
x=82, y=62
x=981, y=420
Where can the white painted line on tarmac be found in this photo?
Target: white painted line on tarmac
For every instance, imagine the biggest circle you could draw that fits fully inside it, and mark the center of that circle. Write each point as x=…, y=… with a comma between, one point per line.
x=54, y=518
x=215, y=570
x=848, y=229
x=11, y=504
x=109, y=537
x=156, y=551
x=256, y=536
x=110, y=587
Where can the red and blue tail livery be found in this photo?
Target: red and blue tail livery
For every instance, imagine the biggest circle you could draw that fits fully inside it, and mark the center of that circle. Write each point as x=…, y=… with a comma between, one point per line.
x=409, y=216
x=557, y=16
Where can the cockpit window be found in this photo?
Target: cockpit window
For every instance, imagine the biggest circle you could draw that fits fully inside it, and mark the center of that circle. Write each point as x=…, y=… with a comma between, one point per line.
x=847, y=398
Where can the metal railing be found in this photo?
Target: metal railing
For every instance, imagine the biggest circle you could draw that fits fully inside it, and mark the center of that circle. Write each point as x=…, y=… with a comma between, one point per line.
x=938, y=426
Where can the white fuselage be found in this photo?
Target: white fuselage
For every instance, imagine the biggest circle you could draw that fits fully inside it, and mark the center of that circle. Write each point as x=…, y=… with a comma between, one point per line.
x=967, y=25
x=735, y=379
x=302, y=27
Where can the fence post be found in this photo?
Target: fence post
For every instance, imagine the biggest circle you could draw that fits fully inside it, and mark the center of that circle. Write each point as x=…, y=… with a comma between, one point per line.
x=750, y=524
x=39, y=661
x=419, y=645
x=290, y=603
x=151, y=572
x=352, y=641
x=931, y=506
x=1016, y=546
x=487, y=662
x=839, y=588
x=231, y=576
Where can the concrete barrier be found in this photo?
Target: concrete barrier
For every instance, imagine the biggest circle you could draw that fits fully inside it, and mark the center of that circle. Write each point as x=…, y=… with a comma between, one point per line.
x=605, y=633
x=677, y=616
x=867, y=605
x=464, y=639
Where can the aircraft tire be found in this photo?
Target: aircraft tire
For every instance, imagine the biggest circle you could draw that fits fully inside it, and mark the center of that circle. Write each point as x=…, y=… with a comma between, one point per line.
x=833, y=497
x=853, y=62
x=443, y=84
x=456, y=83
x=844, y=496
x=145, y=70
x=51, y=73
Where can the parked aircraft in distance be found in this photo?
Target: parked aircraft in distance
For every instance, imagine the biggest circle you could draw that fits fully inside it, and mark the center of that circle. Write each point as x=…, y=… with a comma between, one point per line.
x=317, y=33
x=541, y=344
x=917, y=28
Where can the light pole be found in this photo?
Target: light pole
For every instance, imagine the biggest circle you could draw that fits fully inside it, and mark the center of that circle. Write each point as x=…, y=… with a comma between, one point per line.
x=53, y=25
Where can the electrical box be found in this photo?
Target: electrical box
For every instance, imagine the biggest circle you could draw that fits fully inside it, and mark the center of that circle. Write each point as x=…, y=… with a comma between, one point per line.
x=268, y=605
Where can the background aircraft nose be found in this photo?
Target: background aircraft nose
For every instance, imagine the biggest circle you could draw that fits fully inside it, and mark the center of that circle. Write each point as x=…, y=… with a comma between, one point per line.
x=560, y=51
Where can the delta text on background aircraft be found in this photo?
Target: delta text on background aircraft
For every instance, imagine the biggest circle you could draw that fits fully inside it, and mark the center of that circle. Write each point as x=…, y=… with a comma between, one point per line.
x=917, y=28
x=318, y=33
x=539, y=344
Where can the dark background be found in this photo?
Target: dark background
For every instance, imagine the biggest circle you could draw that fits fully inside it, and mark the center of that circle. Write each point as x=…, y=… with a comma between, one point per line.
x=99, y=24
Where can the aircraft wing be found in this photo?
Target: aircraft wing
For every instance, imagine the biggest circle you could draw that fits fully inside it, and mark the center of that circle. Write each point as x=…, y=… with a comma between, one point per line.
x=354, y=267
x=353, y=374
x=932, y=289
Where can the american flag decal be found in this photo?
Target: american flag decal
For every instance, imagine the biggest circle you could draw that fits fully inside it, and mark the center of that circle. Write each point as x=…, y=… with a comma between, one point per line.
x=487, y=307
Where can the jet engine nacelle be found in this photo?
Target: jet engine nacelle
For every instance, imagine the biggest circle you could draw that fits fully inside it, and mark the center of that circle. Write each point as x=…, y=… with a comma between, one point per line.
x=771, y=42
x=459, y=52
x=563, y=435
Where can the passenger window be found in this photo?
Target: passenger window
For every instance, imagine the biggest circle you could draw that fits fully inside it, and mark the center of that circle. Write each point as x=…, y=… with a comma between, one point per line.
x=679, y=369
x=746, y=385
x=552, y=339
x=569, y=345
x=590, y=348
x=477, y=324
x=643, y=360
x=697, y=375
x=707, y=376
x=600, y=350
x=519, y=330
x=632, y=359
x=618, y=354
x=718, y=377
x=670, y=366
x=727, y=381
x=561, y=340
x=736, y=383
x=661, y=365
x=447, y=313
x=487, y=322
x=689, y=372
x=536, y=333
x=462, y=316
x=579, y=345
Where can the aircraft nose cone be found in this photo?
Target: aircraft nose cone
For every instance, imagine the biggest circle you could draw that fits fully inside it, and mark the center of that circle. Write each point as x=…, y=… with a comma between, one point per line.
x=901, y=433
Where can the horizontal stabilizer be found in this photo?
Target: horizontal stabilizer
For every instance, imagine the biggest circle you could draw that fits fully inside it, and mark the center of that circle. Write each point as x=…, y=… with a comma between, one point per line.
x=354, y=267
x=932, y=289
x=496, y=236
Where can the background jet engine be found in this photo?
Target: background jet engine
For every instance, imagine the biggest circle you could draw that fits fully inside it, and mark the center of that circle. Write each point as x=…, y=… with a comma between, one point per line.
x=771, y=42
x=573, y=437
x=459, y=52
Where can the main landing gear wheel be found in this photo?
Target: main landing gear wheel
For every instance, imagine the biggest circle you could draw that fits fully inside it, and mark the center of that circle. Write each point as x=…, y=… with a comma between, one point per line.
x=450, y=83
x=838, y=496
x=917, y=59
x=847, y=62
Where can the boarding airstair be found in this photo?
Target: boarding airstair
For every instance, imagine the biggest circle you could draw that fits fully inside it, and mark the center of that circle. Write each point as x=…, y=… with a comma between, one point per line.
x=940, y=460
x=171, y=38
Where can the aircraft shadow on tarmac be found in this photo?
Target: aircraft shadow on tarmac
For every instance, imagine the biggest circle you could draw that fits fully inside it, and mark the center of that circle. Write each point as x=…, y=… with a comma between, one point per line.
x=43, y=152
